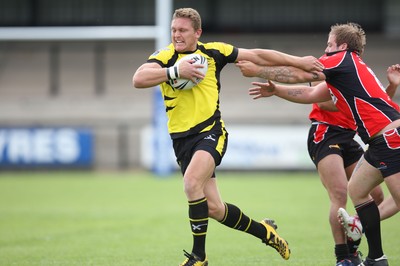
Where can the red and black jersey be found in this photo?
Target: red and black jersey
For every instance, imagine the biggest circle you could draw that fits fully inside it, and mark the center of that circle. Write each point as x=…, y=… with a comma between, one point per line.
x=358, y=93
x=332, y=118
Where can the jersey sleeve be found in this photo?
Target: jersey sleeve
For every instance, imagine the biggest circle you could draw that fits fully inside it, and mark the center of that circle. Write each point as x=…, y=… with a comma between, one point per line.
x=162, y=56
x=228, y=51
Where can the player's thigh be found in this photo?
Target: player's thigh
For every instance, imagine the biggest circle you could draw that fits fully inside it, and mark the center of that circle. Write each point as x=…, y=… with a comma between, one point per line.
x=201, y=167
x=350, y=169
x=364, y=179
x=332, y=174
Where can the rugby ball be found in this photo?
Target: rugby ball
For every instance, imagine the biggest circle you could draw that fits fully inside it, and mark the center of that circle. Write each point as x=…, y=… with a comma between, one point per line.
x=186, y=84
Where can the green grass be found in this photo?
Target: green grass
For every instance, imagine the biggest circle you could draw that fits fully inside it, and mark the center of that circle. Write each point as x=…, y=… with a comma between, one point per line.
x=134, y=218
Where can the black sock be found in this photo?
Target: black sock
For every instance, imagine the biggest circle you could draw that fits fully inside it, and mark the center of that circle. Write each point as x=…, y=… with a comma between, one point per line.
x=198, y=215
x=353, y=245
x=368, y=213
x=236, y=219
x=341, y=252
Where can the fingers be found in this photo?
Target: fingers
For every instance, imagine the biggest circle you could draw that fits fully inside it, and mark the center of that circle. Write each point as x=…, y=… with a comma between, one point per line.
x=241, y=62
x=197, y=77
x=311, y=63
x=254, y=91
x=191, y=71
x=395, y=67
x=318, y=65
x=260, y=84
x=247, y=68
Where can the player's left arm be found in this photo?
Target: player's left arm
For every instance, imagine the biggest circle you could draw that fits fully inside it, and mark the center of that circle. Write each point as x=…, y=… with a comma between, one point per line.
x=267, y=57
x=297, y=94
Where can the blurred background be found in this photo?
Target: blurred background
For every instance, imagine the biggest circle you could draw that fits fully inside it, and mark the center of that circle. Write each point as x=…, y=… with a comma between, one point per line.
x=67, y=101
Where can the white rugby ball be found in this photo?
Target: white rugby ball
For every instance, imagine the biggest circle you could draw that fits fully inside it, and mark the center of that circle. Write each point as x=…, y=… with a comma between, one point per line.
x=185, y=84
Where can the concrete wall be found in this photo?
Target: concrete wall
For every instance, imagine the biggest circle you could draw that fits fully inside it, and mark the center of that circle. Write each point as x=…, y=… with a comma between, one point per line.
x=53, y=84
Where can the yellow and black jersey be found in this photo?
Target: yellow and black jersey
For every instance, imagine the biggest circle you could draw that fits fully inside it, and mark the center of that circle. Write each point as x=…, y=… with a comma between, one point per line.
x=195, y=110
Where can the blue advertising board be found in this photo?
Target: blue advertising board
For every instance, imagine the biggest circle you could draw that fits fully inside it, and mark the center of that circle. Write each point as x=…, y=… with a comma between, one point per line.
x=46, y=147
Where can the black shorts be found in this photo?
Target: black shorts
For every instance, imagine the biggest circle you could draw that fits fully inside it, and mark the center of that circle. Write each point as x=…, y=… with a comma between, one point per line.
x=384, y=152
x=324, y=139
x=215, y=142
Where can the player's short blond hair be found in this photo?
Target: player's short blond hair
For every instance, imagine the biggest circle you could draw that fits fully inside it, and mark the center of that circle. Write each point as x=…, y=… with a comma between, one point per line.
x=350, y=33
x=189, y=13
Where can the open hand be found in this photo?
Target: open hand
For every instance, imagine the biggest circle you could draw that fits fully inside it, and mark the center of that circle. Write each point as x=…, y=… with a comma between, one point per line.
x=266, y=89
x=393, y=74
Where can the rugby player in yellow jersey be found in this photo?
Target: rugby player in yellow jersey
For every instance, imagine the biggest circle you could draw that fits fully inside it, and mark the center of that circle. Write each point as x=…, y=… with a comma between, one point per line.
x=197, y=129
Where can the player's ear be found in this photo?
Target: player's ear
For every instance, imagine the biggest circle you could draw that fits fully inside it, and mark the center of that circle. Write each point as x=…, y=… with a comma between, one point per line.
x=198, y=33
x=343, y=46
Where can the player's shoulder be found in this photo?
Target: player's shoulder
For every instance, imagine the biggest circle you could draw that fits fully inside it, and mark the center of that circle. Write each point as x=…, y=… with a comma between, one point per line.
x=163, y=54
x=333, y=59
x=216, y=45
x=218, y=48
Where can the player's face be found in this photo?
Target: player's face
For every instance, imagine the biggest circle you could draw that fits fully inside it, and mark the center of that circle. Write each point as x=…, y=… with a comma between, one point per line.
x=183, y=35
x=332, y=46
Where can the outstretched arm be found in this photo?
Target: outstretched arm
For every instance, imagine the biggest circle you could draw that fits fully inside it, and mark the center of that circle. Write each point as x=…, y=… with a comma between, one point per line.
x=297, y=94
x=266, y=57
x=283, y=74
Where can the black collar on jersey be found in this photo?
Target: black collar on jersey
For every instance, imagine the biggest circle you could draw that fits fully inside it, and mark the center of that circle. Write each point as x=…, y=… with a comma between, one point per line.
x=350, y=50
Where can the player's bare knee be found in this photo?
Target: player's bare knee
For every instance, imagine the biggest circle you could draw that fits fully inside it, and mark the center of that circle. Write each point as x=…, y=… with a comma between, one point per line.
x=339, y=196
x=216, y=211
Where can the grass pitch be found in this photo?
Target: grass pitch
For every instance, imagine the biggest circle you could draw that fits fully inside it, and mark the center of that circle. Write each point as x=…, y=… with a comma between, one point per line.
x=134, y=218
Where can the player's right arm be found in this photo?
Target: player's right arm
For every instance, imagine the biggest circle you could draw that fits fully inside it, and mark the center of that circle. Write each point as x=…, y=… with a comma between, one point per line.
x=328, y=106
x=393, y=76
x=149, y=75
x=152, y=74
